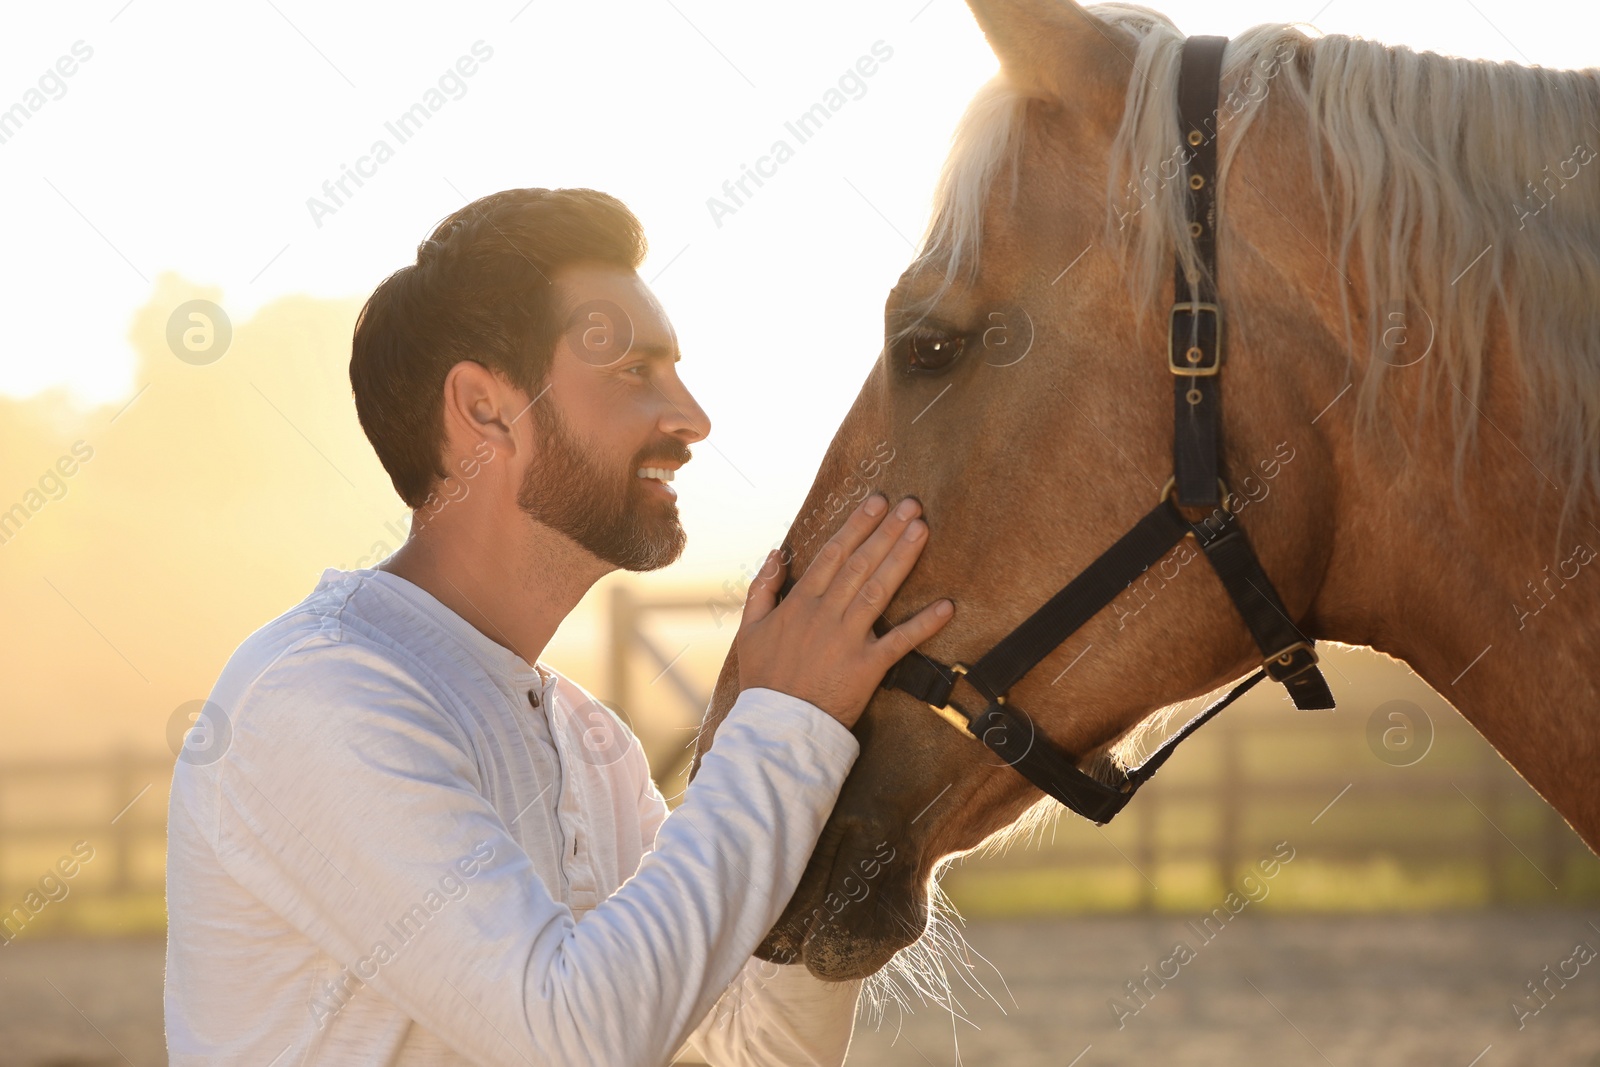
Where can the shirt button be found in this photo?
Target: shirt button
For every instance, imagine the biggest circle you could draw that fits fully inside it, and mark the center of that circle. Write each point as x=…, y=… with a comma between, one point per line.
x=533, y=697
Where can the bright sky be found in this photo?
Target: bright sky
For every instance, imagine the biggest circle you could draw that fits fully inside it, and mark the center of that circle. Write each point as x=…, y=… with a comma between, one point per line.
x=192, y=137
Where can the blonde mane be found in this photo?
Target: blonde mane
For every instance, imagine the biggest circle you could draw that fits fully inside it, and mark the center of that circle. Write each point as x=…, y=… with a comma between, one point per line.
x=1452, y=187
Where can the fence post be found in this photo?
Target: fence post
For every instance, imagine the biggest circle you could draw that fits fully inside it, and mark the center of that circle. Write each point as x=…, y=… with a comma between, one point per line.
x=122, y=789
x=1555, y=843
x=1230, y=798
x=1146, y=826
x=624, y=622
x=1494, y=849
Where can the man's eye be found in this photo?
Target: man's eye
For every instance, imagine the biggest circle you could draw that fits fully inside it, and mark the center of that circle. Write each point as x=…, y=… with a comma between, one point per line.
x=927, y=350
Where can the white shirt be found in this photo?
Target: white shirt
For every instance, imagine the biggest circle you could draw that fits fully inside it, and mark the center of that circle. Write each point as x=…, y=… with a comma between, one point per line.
x=414, y=847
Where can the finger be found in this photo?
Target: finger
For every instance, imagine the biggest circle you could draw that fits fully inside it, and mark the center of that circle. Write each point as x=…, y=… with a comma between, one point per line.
x=762, y=595
x=880, y=588
x=861, y=522
x=911, y=633
x=855, y=573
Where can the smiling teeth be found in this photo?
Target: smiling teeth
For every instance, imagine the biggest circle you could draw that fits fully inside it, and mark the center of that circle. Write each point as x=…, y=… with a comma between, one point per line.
x=660, y=474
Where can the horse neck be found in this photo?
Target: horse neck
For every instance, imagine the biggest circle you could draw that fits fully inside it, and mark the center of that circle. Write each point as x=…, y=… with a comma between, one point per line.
x=1482, y=585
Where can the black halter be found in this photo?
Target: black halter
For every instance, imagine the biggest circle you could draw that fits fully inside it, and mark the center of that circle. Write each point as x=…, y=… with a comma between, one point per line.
x=1195, y=358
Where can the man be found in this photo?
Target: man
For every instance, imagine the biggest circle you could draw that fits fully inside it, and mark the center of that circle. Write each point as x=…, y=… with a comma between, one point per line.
x=422, y=845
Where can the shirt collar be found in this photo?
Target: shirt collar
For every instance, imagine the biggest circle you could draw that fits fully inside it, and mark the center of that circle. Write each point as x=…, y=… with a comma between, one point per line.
x=503, y=662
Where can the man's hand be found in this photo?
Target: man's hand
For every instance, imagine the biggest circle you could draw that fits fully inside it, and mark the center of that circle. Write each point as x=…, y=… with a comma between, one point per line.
x=818, y=644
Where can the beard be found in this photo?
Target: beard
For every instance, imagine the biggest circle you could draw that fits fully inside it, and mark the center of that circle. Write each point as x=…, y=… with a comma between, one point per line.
x=607, y=512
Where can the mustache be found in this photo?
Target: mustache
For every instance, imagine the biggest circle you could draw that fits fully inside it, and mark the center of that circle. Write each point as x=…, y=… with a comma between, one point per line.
x=674, y=451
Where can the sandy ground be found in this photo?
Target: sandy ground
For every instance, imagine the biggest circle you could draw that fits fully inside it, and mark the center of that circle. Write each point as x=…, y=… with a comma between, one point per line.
x=1340, y=992
x=1352, y=992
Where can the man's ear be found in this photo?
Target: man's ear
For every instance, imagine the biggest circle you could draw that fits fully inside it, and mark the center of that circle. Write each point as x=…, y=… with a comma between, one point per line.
x=481, y=410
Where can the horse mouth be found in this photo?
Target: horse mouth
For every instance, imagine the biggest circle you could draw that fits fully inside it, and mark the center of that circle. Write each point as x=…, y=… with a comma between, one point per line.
x=861, y=900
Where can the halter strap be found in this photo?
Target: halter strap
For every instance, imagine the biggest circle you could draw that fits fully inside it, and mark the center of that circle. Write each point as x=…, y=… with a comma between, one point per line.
x=1009, y=731
x=1194, y=334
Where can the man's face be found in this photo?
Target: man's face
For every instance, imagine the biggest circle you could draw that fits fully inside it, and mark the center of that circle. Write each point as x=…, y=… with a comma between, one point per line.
x=613, y=425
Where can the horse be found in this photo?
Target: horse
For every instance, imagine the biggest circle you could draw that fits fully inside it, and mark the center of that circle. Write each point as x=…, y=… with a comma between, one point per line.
x=1408, y=262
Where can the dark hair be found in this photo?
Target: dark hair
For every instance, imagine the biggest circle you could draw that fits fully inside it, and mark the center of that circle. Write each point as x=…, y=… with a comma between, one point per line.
x=480, y=290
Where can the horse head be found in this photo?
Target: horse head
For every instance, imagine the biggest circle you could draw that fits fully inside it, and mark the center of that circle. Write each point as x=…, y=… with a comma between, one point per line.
x=1023, y=394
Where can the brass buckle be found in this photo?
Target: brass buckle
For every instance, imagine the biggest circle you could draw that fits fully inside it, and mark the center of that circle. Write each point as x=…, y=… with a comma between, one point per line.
x=1191, y=367
x=950, y=714
x=1285, y=657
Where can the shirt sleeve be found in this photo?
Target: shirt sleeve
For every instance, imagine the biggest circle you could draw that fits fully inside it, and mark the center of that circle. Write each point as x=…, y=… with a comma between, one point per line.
x=771, y=1015
x=350, y=803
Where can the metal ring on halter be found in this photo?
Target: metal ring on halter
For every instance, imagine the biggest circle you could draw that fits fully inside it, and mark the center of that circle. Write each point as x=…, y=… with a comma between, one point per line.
x=1222, y=486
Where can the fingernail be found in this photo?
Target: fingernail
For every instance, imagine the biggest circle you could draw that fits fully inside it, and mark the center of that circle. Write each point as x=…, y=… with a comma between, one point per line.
x=944, y=609
x=907, y=508
x=915, y=531
x=875, y=505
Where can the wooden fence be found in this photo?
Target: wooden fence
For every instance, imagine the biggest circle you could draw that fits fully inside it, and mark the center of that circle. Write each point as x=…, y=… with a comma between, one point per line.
x=53, y=813
x=636, y=653
x=1260, y=773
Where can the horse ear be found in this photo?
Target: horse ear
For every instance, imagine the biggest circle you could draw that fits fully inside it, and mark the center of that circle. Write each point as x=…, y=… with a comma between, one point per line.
x=1052, y=49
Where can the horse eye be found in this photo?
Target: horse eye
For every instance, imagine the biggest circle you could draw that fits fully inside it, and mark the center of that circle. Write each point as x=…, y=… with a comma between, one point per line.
x=927, y=350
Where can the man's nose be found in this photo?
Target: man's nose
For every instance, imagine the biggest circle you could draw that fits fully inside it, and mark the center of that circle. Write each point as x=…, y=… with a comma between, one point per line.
x=683, y=416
